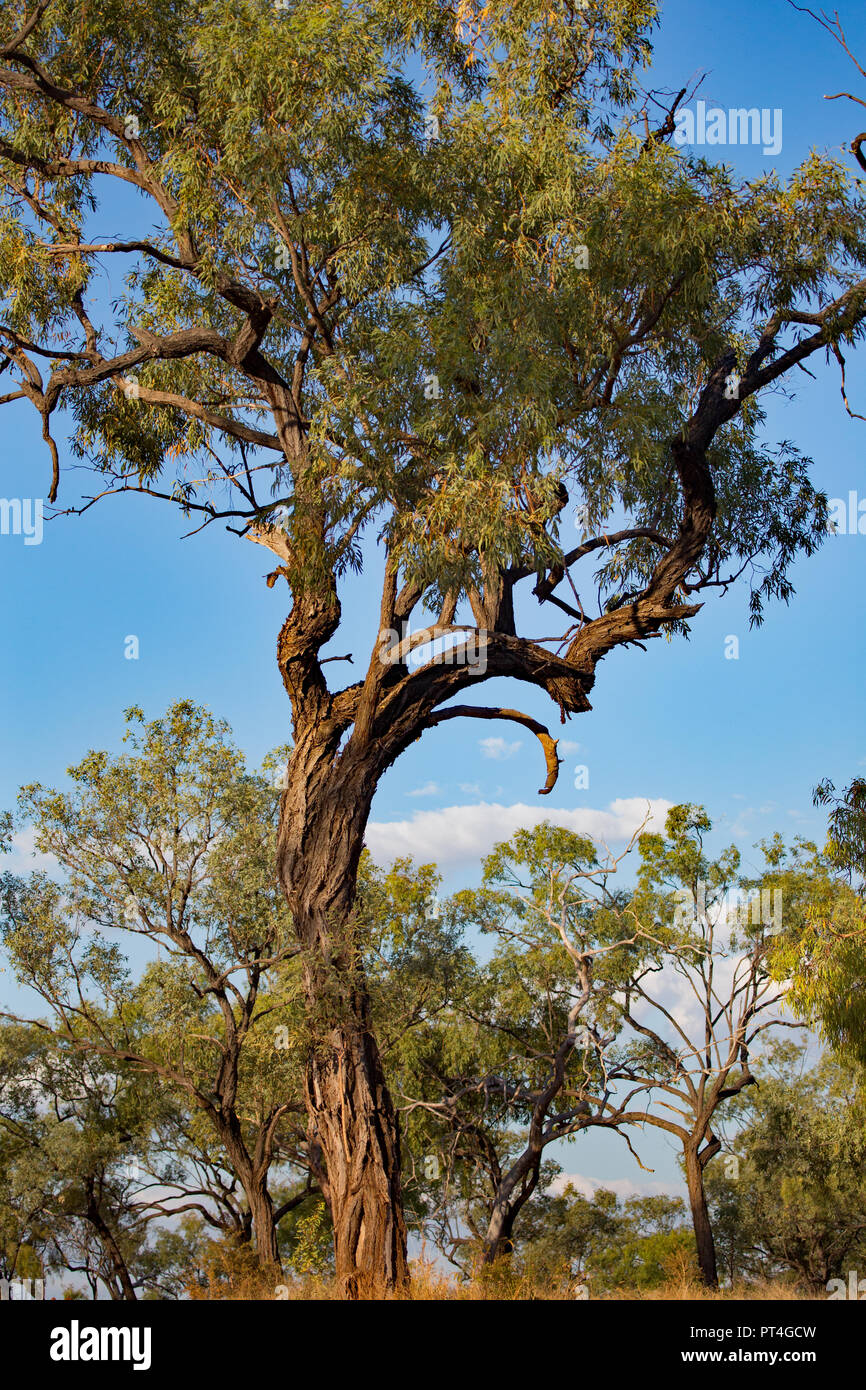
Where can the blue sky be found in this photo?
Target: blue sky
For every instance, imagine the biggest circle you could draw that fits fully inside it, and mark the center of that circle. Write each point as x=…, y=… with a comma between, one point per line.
x=749, y=738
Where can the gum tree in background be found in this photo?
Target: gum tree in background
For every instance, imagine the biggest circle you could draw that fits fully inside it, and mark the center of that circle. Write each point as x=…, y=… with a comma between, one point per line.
x=359, y=325
x=173, y=844
x=826, y=957
x=604, y=1008
x=689, y=1062
x=69, y=1124
x=796, y=1202
x=519, y=1061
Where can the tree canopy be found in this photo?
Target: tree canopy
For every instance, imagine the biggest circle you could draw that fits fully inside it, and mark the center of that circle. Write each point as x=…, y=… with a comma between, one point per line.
x=415, y=288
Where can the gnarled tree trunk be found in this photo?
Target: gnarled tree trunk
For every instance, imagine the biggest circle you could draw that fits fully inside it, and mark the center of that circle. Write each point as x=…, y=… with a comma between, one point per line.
x=356, y=1128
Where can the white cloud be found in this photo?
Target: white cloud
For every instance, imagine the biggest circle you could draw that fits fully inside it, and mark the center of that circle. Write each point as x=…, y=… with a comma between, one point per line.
x=676, y=994
x=428, y=789
x=623, y=1187
x=567, y=745
x=498, y=748
x=25, y=858
x=459, y=834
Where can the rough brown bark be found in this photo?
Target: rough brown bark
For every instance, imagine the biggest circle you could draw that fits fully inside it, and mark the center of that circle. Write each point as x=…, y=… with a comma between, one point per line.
x=264, y=1227
x=352, y=1120
x=706, y=1246
x=356, y=1128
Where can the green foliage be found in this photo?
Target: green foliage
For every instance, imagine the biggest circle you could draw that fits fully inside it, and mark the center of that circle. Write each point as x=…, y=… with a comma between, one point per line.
x=301, y=129
x=171, y=846
x=473, y=998
x=796, y=1203
x=824, y=952
x=847, y=825
x=604, y=1242
x=68, y=1167
x=312, y=1249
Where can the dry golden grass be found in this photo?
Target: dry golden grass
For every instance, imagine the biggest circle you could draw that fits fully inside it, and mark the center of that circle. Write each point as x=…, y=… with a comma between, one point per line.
x=233, y=1277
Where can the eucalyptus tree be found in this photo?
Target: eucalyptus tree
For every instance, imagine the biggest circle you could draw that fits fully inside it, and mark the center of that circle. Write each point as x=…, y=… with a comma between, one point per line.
x=825, y=958
x=70, y=1124
x=361, y=309
x=520, y=1060
x=25, y=1238
x=604, y=1242
x=107, y=1175
x=796, y=1202
x=171, y=846
x=699, y=992
x=186, y=1174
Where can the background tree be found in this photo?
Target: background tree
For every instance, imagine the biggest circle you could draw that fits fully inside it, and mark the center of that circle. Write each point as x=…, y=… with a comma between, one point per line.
x=72, y=1126
x=440, y=347
x=519, y=1063
x=688, y=1064
x=173, y=846
x=604, y=1243
x=825, y=958
x=187, y=1170
x=796, y=1203
x=573, y=1022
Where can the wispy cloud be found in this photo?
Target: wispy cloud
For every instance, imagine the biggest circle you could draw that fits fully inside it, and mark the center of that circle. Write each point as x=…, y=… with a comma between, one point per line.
x=463, y=834
x=498, y=748
x=428, y=789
